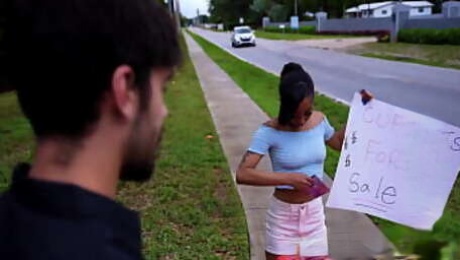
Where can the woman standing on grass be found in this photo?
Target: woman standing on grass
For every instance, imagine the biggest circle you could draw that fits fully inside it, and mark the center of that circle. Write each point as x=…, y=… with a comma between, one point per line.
x=296, y=143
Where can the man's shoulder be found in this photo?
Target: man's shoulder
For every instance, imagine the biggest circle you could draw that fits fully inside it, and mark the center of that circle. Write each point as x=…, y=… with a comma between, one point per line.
x=6, y=207
x=77, y=236
x=5, y=223
x=5, y=200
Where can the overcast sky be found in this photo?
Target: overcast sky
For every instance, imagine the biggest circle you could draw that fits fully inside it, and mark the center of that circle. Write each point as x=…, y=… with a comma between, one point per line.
x=188, y=7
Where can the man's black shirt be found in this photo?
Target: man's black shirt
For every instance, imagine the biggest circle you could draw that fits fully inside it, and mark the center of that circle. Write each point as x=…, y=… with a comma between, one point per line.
x=50, y=220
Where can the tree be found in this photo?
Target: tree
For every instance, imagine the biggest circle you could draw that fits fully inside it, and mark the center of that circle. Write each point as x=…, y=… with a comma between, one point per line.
x=162, y=2
x=261, y=6
x=184, y=21
x=230, y=11
x=279, y=12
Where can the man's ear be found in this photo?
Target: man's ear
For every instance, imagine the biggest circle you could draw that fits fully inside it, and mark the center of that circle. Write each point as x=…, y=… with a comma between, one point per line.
x=125, y=96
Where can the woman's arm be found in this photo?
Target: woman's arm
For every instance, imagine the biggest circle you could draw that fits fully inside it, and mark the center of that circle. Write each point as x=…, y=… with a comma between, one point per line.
x=248, y=174
x=336, y=141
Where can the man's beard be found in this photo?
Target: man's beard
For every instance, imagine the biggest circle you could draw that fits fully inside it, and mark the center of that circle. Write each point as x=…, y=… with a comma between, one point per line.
x=139, y=161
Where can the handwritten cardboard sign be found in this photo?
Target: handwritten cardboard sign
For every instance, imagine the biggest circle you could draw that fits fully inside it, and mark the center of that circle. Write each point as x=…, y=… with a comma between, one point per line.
x=396, y=164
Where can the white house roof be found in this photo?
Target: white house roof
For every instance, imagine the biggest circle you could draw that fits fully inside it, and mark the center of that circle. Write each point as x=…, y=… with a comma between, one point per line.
x=417, y=3
x=374, y=6
x=352, y=10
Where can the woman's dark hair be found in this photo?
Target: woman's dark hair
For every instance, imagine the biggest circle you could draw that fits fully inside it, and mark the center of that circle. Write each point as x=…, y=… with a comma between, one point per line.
x=295, y=85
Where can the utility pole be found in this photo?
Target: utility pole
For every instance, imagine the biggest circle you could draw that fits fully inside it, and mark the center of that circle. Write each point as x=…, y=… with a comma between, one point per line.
x=178, y=14
x=174, y=10
x=296, y=7
x=171, y=6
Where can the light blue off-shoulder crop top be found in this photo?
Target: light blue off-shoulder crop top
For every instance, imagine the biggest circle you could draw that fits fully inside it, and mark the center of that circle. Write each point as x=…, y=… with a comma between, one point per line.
x=301, y=152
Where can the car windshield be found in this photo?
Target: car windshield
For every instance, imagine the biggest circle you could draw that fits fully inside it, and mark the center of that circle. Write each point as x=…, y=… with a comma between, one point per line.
x=243, y=30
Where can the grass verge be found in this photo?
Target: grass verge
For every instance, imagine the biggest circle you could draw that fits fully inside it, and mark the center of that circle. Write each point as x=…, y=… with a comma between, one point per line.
x=16, y=141
x=261, y=86
x=297, y=36
x=191, y=209
x=446, y=56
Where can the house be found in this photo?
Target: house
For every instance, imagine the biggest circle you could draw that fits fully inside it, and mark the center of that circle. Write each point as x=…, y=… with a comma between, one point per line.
x=385, y=9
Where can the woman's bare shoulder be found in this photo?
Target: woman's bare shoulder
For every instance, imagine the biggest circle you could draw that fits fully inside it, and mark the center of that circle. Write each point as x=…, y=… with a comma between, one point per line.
x=271, y=123
x=317, y=117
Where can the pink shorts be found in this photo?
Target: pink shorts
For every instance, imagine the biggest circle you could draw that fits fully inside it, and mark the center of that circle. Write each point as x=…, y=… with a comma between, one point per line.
x=296, y=229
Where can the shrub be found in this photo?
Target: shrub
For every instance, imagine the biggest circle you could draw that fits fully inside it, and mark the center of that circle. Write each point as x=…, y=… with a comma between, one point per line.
x=430, y=36
x=307, y=29
x=358, y=33
x=302, y=29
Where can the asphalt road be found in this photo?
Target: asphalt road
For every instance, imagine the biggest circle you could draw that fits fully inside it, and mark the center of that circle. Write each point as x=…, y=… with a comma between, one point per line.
x=431, y=91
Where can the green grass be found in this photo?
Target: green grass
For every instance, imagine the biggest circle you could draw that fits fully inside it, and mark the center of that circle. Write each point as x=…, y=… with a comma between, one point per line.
x=297, y=36
x=411, y=60
x=191, y=209
x=261, y=86
x=16, y=142
x=447, y=56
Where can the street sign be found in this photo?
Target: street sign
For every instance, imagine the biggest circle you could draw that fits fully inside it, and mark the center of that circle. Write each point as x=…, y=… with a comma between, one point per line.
x=294, y=22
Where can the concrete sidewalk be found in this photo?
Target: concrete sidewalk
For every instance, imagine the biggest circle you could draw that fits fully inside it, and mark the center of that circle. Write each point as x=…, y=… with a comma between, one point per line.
x=351, y=235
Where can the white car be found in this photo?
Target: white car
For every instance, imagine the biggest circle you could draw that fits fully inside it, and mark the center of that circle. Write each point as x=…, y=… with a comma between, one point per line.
x=243, y=36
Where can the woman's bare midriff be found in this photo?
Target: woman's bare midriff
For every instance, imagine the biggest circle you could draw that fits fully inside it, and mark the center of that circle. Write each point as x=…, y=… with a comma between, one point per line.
x=291, y=196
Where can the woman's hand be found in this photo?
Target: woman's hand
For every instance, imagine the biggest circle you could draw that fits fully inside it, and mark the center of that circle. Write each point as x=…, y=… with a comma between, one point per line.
x=366, y=96
x=299, y=181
